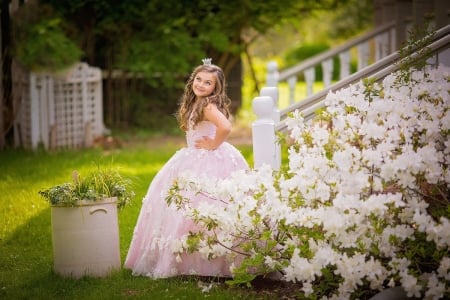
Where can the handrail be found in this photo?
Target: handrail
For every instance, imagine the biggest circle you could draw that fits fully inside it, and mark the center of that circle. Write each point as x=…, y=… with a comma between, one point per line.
x=378, y=70
x=285, y=74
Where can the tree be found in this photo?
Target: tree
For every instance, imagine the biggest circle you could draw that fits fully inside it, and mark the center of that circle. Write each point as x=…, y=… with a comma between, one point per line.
x=161, y=40
x=169, y=37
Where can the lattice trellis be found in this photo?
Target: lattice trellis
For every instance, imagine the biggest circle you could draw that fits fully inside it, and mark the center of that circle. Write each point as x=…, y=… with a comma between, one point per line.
x=61, y=112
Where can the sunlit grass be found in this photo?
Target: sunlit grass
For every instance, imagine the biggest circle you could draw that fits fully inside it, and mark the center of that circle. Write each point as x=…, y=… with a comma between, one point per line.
x=25, y=231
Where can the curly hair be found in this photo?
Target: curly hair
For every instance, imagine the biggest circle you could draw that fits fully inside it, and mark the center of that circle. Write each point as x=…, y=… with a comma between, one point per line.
x=191, y=110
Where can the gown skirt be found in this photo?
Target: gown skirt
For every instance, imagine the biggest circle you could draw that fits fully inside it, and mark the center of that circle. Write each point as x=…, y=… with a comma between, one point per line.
x=150, y=253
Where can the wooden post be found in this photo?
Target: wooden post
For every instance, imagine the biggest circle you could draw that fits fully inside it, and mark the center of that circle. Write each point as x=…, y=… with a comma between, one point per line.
x=263, y=133
x=442, y=12
x=34, y=110
x=403, y=19
x=423, y=11
x=272, y=74
x=363, y=55
x=2, y=110
x=292, y=82
x=327, y=72
x=310, y=76
x=272, y=92
x=344, y=60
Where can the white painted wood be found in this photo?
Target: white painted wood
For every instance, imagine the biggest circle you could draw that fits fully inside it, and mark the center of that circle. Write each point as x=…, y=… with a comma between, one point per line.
x=56, y=110
x=44, y=91
x=272, y=92
x=263, y=133
x=310, y=76
x=292, y=82
x=34, y=111
x=272, y=77
x=363, y=55
x=376, y=70
x=344, y=59
x=327, y=71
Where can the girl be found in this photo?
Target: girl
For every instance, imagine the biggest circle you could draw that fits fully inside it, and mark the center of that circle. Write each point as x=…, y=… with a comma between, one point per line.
x=203, y=114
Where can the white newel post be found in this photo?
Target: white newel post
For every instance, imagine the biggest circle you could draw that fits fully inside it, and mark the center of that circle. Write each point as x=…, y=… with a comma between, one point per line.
x=272, y=92
x=272, y=74
x=263, y=133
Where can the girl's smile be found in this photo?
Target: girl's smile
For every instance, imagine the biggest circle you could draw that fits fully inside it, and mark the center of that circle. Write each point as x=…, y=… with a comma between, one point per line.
x=204, y=84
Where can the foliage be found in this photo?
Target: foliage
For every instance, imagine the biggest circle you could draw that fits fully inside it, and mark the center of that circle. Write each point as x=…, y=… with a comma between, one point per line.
x=344, y=26
x=97, y=185
x=362, y=205
x=297, y=55
x=39, y=40
x=414, y=52
x=167, y=38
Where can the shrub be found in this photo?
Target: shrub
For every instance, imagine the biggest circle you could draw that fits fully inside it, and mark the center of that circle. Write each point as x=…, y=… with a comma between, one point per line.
x=362, y=205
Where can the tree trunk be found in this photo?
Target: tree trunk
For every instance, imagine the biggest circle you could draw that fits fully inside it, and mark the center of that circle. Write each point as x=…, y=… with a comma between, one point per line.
x=234, y=86
x=2, y=121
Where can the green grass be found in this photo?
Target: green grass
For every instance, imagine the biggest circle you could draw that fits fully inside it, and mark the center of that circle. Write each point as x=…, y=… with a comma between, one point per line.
x=25, y=233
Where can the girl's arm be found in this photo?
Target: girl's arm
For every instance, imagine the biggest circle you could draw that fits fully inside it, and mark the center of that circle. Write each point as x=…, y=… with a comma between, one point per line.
x=212, y=114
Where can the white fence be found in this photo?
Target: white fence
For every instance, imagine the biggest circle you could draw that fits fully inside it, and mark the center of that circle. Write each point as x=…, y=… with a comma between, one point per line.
x=59, y=112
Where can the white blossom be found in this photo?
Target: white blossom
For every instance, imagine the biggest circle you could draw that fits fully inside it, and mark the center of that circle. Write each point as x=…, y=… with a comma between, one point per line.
x=352, y=196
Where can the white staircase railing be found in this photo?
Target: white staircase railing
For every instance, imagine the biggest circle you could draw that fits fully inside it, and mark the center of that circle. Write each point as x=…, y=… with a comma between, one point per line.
x=270, y=119
x=370, y=47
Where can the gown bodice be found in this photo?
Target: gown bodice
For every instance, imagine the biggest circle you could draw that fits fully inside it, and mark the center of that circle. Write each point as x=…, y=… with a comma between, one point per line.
x=203, y=128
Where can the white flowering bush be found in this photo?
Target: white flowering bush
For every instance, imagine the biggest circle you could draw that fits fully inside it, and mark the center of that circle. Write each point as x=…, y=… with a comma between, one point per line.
x=362, y=205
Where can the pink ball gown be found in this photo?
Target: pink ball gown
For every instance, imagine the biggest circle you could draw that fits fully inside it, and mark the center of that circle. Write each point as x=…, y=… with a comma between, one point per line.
x=150, y=253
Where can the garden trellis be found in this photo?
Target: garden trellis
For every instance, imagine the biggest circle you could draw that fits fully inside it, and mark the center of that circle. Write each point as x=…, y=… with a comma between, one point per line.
x=59, y=111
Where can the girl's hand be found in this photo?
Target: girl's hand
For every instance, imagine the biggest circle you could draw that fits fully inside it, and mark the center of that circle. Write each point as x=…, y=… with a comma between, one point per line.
x=223, y=128
x=205, y=143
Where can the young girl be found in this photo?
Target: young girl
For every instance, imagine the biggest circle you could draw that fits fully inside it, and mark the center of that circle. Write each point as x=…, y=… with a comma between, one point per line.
x=203, y=115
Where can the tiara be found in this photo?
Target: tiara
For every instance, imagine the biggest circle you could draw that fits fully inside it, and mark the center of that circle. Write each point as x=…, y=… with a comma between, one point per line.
x=207, y=61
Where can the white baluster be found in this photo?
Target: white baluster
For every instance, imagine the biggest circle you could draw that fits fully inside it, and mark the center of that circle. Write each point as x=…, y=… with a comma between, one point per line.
x=385, y=44
x=272, y=74
x=310, y=76
x=393, y=35
x=363, y=55
x=377, y=48
x=263, y=133
x=381, y=46
x=292, y=82
x=344, y=58
x=327, y=70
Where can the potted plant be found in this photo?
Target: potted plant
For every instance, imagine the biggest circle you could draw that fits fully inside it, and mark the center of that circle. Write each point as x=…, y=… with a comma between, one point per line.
x=85, y=231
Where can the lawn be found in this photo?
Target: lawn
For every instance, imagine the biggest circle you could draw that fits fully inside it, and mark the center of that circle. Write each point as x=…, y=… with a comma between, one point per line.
x=25, y=233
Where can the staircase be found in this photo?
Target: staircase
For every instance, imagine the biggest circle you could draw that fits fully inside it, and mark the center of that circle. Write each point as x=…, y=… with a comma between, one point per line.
x=384, y=61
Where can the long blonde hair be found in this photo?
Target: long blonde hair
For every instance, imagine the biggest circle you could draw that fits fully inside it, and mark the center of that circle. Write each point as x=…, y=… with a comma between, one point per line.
x=189, y=110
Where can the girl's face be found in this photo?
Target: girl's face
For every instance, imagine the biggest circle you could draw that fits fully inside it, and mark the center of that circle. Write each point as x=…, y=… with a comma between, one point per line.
x=204, y=84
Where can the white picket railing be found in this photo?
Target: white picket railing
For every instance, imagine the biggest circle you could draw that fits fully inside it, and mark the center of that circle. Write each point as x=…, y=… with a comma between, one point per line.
x=269, y=118
x=370, y=47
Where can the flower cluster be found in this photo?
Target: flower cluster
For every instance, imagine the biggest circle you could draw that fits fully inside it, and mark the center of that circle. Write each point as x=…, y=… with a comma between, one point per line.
x=362, y=205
